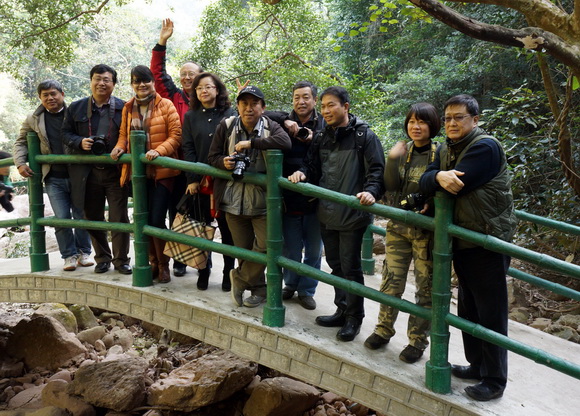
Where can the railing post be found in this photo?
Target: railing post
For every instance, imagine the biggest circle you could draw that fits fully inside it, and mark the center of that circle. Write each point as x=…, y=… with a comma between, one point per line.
x=368, y=262
x=438, y=370
x=142, y=271
x=274, y=311
x=38, y=255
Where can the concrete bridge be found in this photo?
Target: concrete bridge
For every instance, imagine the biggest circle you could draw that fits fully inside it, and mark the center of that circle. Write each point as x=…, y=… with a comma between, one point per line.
x=302, y=349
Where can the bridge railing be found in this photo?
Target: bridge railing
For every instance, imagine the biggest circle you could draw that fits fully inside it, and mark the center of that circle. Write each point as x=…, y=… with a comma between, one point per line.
x=438, y=370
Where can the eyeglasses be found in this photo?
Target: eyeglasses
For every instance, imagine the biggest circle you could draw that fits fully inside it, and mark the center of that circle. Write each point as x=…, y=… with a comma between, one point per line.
x=458, y=118
x=206, y=88
x=140, y=81
x=188, y=74
x=103, y=80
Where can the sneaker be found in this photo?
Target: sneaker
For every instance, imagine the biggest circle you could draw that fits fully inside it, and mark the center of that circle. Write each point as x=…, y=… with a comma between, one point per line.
x=287, y=293
x=84, y=260
x=410, y=354
x=70, y=263
x=375, y=341
x=236, y=292
x=254, y=300
x=307, y=302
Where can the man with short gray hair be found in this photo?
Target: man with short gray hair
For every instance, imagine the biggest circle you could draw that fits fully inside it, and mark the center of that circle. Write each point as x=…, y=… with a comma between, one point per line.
x=46, y=121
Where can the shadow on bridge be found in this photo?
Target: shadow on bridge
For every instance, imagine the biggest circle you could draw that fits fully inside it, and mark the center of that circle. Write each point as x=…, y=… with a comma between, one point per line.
x=302, y=349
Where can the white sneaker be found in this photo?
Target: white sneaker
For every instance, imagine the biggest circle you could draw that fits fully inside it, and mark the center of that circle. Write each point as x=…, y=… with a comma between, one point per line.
x=70, y=263
x=84, y=260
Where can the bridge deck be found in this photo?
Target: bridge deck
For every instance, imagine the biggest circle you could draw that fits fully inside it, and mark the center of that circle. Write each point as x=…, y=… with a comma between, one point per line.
x=301, y=348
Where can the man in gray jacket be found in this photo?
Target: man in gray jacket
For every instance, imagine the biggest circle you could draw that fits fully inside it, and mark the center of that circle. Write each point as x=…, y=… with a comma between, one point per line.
x=46, y=121
x=347, y=157
x=246, y=136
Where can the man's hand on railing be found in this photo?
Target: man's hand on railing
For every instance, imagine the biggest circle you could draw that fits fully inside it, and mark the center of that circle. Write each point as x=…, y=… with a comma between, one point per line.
x=116, y=153
x=25, y=171
x=297, y=177
x=192, y=188
x=366, y=198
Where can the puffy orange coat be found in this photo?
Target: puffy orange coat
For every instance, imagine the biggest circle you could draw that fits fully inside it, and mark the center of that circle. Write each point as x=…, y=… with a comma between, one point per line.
x=164, y=135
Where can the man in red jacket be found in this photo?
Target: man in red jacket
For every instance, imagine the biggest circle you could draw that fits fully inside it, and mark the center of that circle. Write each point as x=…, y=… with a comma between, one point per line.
x=164, y=84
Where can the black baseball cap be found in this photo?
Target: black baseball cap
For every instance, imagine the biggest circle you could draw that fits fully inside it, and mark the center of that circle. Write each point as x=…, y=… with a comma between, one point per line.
x=252, y=90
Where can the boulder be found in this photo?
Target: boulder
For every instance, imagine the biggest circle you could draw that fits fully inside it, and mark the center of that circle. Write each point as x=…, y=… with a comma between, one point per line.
x=11, y=369
x=84, y=316
x=564, y=332
x=55, y=394
x=43, y=342
x=117, y=384
x=59, y=312
x=27, y=399
x=61, y=375
x=541, y=323
x=45, y=411
x=281, y=396
x=573, y=321
x=92, y=335
x=203, y=381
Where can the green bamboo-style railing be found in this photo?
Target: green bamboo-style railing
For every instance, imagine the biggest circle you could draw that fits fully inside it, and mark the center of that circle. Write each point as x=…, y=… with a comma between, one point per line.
x=438, y=372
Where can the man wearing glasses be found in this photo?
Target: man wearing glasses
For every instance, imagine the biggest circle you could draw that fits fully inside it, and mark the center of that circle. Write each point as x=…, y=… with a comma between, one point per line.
x=91, y=126
x=471, y=166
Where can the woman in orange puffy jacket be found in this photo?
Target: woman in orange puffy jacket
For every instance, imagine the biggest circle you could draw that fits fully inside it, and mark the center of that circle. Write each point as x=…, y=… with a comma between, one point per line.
x=158, y=118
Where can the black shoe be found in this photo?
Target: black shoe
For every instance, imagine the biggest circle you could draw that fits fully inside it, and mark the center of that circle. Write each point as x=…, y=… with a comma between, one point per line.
x=484, y=391
x=203, y=278
x=179, y=269
x=338, y=319
x=102, y=267
x=465, y=372
x=287, y=293
x=349, y=330
x=375, y=341
x=124, y=269
x=410, y=354
x=226, y=284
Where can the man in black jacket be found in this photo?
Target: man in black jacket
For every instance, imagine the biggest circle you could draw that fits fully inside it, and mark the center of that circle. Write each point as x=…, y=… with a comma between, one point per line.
x=90, y=120
x=345, y=157
x=301, y=225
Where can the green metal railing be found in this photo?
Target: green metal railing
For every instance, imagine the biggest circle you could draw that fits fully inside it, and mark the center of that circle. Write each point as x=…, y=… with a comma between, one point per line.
x=438, y=371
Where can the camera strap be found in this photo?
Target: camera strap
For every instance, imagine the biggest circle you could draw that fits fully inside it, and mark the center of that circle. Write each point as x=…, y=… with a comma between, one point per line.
x=105, y=123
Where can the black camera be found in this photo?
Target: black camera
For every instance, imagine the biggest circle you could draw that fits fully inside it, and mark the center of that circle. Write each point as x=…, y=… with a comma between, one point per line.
x=413, y=202
x=241, y=163
x=7, y=197
x=100, y=145
x=303, y=133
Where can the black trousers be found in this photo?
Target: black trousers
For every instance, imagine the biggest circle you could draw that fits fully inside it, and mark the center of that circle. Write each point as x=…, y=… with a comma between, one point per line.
x=483, y=300
x=343, y=255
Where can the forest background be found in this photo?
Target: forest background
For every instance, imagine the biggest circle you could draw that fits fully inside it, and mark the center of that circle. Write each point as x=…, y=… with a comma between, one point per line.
x=387, y=53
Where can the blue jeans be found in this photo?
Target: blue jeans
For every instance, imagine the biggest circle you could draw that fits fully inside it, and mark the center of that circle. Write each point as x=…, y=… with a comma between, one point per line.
x=302, y=232
x=71, y=241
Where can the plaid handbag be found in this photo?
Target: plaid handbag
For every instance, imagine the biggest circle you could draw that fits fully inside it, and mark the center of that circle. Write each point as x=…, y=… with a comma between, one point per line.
x=192, y=256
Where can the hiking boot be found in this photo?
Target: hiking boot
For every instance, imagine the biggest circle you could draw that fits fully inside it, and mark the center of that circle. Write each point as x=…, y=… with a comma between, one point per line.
x=375, y=341
x=254, y=300
x=70, y=263
x=410, y=354
x=307, y=302
x=84, y=260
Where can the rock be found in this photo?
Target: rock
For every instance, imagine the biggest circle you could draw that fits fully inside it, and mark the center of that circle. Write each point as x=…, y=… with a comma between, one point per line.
x=115, y=350
x=564, y=332
x=84, y=316
x=520, y=315
x=11, y=369
x=541, y=323
x=329, y=397
x=116, y=384
x=61, y=375
x=281, y=396
x=59, y=312
x=91, y=335
x=100, y=346
x=122, y=337
x=572, y=321
x=105, y=316
x=43, y=342
x=55, y=394
x=250, y=387
x=45, y=411
x=203, y=381
x=27, y=399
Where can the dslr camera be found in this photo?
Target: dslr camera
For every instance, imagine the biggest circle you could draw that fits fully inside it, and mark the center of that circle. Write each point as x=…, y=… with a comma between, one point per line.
x=303, y=133
x=413, y=202
x=100, y=145
x=7, y=197
x=241, y=163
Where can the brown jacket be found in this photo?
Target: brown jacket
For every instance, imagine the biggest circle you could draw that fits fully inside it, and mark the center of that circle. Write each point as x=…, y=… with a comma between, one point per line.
x=164, y=135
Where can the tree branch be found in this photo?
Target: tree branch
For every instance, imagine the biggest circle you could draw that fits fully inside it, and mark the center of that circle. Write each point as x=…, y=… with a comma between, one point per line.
x=64, y=23
x=533, y=38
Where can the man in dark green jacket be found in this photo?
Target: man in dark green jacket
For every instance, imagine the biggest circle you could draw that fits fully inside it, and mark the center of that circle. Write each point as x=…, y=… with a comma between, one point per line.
x=472, y=166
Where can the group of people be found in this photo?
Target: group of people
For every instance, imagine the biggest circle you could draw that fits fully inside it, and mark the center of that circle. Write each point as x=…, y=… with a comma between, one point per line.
x=332, y=149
